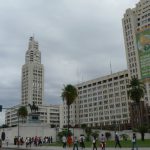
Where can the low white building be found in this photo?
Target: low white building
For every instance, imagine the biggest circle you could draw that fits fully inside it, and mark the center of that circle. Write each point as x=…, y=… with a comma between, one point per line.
x=48, y=114
x=102, y=101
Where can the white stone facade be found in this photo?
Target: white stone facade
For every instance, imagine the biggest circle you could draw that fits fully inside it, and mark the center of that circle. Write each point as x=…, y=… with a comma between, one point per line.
x=32, y=75
x=48, y=114
x=137, y=20
x=101, y=101
x=33, y=90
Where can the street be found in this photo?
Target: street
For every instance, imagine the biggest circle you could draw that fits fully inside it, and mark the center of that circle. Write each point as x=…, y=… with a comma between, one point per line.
x=60, y=148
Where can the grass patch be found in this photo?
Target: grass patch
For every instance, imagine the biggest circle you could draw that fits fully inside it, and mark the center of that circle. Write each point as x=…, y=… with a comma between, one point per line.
x=110, y=143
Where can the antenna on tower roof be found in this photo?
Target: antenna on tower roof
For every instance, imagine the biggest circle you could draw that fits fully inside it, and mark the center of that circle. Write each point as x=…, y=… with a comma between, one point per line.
x=110, y=68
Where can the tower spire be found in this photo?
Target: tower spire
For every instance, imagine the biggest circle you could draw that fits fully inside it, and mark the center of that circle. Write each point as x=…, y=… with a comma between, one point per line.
x=110, y=68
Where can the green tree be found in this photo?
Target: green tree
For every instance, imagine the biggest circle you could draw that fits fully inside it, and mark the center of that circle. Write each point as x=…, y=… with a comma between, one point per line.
x=69, y=94
x=22, y=112
x=88, y=132
x=4, y=126
x=108, y=135
x=136, y=93
x=64, y=132
x=124, y=137
x=142, y=129
x=83, y=126
x=95, y=134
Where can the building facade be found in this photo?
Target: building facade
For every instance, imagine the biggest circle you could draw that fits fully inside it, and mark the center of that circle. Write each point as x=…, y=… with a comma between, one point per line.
x=101, y=102
x=136, y=29
x=32, y=75
x=48, y=114
x=33, y=90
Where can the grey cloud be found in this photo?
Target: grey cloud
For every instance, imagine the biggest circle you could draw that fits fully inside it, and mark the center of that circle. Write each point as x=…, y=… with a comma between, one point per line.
x=77, y=39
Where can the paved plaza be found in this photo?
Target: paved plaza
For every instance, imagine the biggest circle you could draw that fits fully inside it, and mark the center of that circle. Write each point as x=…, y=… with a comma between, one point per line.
x=13, y=147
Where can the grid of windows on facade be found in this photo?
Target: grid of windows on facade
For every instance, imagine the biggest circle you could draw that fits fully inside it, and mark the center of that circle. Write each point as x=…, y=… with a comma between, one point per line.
x=130, y=42
x=37, y=84
x=99, y=101
x=24, y=85
x=135, y=20
x=143, y=15
x=36, y=87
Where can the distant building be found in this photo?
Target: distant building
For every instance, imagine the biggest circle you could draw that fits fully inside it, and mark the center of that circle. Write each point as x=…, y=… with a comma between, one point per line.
x=136, y=29
x=32, y=75
x=104, y=101
x=101, y=102
x=33, y=90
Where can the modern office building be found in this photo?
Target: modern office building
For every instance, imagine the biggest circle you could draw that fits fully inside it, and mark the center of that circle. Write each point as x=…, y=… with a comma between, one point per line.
x=104, y=100
x=136, y=29
x=33, y=90
x=101, y=102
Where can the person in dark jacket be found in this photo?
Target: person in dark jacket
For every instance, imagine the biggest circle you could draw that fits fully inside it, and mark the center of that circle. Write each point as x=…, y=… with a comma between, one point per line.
x=117, y=141
x=134, y=142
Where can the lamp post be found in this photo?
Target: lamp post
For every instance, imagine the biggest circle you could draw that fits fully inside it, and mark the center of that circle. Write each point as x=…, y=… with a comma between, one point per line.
x=114, y=125
x=56, y=132
x=18, y=131
x=73, y=130
x=72, y=122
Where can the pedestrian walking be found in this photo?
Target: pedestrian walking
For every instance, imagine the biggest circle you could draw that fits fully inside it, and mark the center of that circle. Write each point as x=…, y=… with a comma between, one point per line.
x=82, y=138
x=51, y=139
x=0, y=143
x=64, y=140
x=103, y=141
x=7, y=141
x=75, y=143
x=94, y=143
x=117, y=140
x=134, y=142
x=69, y=140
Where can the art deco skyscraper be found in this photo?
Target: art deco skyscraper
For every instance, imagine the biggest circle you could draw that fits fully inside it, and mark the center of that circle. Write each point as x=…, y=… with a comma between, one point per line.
x=32, y=75
x=136, y=28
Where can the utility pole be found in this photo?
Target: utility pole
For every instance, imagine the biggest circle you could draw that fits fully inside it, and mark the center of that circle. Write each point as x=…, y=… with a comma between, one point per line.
x=18, y=131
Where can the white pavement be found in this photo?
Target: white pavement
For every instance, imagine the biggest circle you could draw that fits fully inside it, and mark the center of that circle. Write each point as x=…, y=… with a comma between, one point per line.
x=60, y=148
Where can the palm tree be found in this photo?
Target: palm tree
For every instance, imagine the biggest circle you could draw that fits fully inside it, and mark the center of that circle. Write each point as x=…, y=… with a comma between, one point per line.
x=88, y=132
x=22, y=112
x=69, y=94
x=143, y=129
x=83, y=126
x=136, y=93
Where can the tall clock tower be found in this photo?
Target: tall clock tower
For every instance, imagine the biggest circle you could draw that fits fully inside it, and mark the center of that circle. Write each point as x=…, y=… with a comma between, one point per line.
x=32, y=75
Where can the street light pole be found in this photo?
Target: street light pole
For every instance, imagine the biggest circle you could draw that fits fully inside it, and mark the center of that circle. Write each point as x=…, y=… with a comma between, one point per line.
x=18, y=131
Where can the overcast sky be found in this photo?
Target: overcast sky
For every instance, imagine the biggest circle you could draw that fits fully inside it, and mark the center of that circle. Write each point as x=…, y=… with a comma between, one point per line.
x=77, y=39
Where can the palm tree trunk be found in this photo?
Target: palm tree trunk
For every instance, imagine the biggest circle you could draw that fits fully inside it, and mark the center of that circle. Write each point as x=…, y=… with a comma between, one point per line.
x=140, y=113
x=68, y=118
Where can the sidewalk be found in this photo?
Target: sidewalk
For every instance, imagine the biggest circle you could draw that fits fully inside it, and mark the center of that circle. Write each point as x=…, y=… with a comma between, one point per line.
x=60, y=148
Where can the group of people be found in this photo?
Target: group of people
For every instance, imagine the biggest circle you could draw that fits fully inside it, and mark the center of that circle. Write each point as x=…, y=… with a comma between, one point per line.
x=80, y=142
x=133, y=140
x=36, y=141
x=102, y=142
x=76, y=143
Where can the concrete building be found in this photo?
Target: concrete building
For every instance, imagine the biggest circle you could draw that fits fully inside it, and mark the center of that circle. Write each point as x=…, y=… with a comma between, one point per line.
x=48, y=114
x=101, y=102
x=32, y=75
x=33, y=90
x=136, y=29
